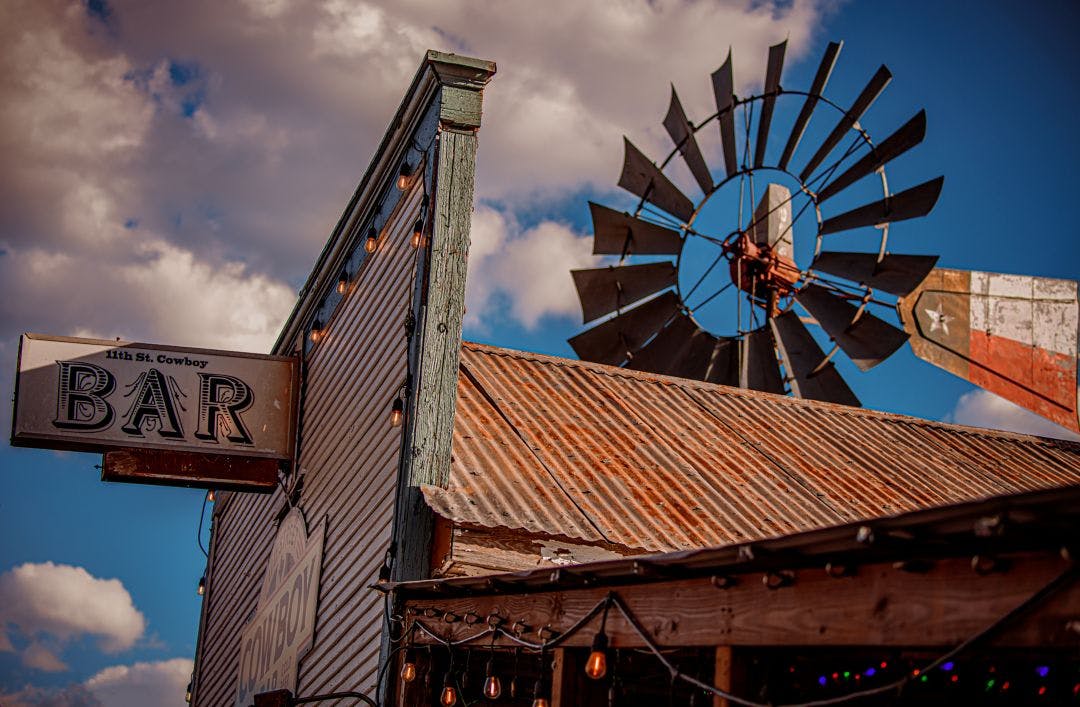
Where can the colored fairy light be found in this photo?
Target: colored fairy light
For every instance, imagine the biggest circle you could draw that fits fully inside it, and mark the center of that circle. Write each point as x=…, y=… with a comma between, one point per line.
x=990, y=684
x=822, y=680
x=923, y=679
x=884, y=665
x=1043, y=670
x=870, y=672
x=1005, y=685
x=847, y=674
x=947, y=666
x=916, y=672
x=955, y=678
x=1042, y=690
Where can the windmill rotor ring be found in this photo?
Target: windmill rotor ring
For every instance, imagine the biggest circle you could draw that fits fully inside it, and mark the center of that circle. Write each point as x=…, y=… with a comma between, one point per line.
x=644, y=314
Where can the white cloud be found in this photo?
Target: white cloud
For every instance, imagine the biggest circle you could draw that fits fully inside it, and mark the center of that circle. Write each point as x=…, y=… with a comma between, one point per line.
x=981, y=408
x=166, y=175
x=161, y=683
x=70, y=696
x=39, y=657
x=527, y=271
x=60, y=603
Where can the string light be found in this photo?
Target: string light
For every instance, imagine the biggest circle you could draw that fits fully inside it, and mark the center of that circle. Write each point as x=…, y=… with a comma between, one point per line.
x=492, y=685
x=405, y=176
x=202, y=585
x=187, y=695
x=541, y=694
x=397, y=412
x=211, y=496
x=596, y=665
x=343, y=282
x=418, y=233
x=316, y=334
x=514, y=679
x=408, y=668
x=448, y=696
x=372, y=241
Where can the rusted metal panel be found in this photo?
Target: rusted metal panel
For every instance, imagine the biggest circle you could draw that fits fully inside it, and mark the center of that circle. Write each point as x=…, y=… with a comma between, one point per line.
x=1013, y=335
x=660, y=463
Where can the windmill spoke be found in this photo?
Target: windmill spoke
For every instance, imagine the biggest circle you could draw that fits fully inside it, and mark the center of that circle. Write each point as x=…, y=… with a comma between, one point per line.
x=711, y=297
x=703, y=276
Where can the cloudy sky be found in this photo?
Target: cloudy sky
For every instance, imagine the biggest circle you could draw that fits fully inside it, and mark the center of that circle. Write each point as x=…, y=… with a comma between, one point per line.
x=171, y=170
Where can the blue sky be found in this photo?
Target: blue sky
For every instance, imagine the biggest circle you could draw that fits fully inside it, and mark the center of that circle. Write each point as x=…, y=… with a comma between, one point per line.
x=172, y=173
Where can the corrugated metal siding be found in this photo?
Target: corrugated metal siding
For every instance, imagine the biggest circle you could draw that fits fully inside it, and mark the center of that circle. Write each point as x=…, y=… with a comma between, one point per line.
x=349, y=455
x=661, y=463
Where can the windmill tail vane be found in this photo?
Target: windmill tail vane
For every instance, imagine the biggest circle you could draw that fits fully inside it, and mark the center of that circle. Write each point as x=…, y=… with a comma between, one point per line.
x=656, y=309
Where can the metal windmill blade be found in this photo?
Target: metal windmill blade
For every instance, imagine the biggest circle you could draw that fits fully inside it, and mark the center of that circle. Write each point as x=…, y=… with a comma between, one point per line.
x=654, y=315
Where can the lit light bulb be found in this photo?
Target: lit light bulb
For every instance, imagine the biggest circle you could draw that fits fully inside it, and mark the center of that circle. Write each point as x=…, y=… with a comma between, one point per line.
x=343, y=282
x=397, y=413
x=202, y=585
x=404, y=180
x=540, y=695
x=448, y=697
x=596, y=665
x=316, y=332
x=492, y=687
x=408, y=671
x=418, y=233
x=187, y=695
x=372, y=241
x=211, y=496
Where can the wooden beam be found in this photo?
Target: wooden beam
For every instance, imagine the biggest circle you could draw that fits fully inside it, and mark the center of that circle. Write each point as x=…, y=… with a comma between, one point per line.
x=208, y=471
x=435, y=367
x=881, y=605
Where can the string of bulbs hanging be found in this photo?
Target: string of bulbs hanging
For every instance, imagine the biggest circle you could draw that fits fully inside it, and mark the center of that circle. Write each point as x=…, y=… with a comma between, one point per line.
x=596, y=666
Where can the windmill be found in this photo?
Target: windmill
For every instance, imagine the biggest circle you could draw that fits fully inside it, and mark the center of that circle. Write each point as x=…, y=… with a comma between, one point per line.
x=1014, y=335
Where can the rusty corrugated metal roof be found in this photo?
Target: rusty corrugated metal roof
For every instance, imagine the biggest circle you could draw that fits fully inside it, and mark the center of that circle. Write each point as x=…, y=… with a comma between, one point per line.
x=606, y=455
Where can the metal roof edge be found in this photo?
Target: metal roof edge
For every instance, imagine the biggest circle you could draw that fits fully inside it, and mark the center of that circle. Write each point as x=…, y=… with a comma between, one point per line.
x=987, y=521
x=645, y=377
